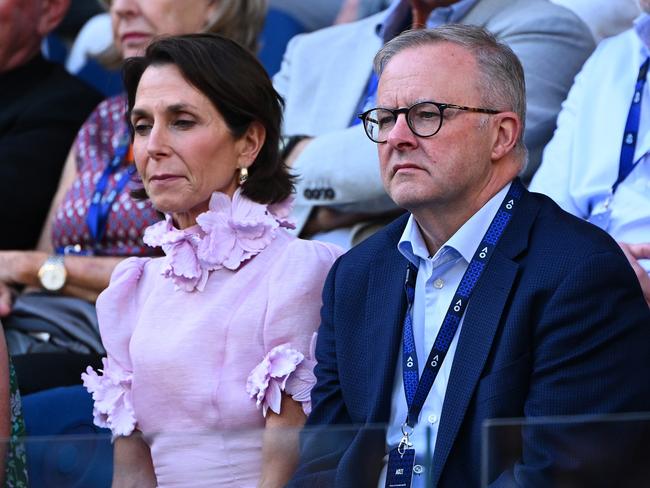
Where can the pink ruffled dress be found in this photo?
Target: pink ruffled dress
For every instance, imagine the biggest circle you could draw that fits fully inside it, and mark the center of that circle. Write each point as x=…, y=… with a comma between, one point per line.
x=201, y=342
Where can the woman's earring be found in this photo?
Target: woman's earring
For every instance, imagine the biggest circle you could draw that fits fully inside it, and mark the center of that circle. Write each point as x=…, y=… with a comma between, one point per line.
x=243, y=175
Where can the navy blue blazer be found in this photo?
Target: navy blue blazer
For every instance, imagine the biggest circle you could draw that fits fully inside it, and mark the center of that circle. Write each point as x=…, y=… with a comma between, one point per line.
x=557, y=325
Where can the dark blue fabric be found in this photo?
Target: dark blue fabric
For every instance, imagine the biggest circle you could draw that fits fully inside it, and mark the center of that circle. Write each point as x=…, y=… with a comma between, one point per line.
x=74, y=452
x=557, y=325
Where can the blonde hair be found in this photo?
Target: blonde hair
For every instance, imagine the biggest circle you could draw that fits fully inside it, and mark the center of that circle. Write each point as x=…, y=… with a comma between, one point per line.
x=239, y=20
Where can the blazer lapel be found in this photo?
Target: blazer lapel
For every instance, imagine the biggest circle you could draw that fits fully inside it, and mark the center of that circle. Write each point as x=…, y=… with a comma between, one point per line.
x=479, y=327
x=385, y=304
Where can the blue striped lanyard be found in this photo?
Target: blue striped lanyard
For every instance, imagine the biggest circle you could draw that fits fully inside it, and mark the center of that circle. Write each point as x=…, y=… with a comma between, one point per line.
x=101, y=203
x=401, y=459
x=601, y=215
x=631, y=134
x=416, y=391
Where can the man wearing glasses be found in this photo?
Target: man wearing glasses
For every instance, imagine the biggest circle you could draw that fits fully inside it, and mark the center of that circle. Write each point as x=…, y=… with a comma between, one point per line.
x=326, y=79
x=484, y=301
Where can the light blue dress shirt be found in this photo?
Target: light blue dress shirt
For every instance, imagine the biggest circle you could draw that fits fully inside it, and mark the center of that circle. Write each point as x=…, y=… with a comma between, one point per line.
x=438, y=278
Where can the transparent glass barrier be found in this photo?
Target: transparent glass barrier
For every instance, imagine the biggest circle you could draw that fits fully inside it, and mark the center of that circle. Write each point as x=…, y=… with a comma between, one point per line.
x=86, y=460
x=567, y=451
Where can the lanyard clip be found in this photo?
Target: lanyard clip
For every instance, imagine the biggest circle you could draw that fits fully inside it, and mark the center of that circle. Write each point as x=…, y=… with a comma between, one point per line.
x=404, y=443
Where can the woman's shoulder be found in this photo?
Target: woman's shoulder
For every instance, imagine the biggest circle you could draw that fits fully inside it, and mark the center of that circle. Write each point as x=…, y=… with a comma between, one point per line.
x=124, y=280
x=300, y=264
x=315, y=253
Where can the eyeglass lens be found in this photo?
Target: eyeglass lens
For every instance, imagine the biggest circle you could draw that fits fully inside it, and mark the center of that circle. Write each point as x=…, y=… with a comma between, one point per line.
x=424, y=119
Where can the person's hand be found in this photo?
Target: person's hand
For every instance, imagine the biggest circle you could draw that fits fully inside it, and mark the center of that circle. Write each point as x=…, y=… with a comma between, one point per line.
x=634, y=252
x=349, y=12
x=323, y=219
x=20, y=267
x=7, y=296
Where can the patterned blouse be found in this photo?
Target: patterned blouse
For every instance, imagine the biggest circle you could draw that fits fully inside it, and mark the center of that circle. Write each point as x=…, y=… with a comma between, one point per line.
x=95, y=147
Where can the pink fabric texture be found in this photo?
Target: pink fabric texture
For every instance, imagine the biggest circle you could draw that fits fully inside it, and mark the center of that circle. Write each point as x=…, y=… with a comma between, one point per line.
x=111, y=393
x=184, y=332
x=283, y=369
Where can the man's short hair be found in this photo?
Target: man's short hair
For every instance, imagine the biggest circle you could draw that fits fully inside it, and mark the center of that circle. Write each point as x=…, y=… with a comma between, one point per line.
x=501, y=80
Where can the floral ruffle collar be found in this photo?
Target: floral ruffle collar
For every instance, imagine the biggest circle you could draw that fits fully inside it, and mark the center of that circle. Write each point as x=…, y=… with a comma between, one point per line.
x=228, y=234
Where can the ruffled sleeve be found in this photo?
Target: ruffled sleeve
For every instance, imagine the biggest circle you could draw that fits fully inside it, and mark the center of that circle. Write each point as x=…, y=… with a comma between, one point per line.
x=116, y=313
x=292, y=318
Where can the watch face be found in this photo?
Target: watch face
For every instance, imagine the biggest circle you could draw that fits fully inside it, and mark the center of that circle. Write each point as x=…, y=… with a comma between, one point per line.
x=52, y=276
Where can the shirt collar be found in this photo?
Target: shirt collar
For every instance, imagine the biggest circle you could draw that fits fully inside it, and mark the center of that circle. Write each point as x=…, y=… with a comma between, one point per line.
x=642, y=28
x=398, y=17
x=465, y=241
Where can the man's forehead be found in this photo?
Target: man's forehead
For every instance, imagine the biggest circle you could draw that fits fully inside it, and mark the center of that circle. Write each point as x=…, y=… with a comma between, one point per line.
x=425, y=72
x=430, y=56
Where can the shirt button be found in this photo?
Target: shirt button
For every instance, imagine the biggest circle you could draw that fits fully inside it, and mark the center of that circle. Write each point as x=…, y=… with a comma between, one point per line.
x=439, y=283
x=433, y=418
x=418, y=469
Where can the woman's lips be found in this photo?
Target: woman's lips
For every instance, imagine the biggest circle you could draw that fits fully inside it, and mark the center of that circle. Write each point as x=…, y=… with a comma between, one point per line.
x=135, y=38
x=164, y=178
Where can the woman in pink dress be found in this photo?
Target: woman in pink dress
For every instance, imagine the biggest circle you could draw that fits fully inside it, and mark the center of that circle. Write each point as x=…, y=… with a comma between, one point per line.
x=212, y=341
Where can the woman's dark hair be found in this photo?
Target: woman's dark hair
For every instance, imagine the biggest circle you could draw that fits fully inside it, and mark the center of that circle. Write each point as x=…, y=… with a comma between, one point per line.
x=238, y=87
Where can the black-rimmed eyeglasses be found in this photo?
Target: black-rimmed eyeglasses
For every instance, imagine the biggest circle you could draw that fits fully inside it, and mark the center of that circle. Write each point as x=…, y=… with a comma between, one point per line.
x=424, y=119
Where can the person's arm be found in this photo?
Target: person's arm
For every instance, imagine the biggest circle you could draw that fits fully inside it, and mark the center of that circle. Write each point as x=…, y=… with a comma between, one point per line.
x=87, y=276
x=590, y=355
x=343, y=159
x=280, y=443
x=68, y=176
x=554, y=175
x=323, y=441
x=132, y=465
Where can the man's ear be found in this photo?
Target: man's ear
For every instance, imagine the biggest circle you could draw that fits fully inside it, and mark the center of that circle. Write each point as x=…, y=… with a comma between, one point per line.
x=508, y=128
x=52, y=13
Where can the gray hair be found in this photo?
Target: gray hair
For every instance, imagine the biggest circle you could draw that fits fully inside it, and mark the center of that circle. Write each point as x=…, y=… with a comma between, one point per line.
x=501, y=76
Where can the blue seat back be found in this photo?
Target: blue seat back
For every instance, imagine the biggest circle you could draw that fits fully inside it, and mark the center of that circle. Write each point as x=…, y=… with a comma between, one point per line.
x=80, y=455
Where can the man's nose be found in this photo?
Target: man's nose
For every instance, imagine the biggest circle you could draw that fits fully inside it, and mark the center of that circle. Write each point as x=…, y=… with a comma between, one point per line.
x=401, y=136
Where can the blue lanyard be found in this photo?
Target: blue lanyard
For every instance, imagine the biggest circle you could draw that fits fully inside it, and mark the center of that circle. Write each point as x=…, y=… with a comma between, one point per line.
x=100, y=205
x=416, y=391
x=630, y=136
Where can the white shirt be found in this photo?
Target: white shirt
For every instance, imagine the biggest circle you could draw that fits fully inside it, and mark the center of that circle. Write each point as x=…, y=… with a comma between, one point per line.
x=605, y=18
x=580, y=163
x=437, y=281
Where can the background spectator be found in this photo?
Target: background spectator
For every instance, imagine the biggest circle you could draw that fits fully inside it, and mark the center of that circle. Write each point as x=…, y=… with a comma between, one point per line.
x=605, y=18
x=42, y=110
x=597, y=166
